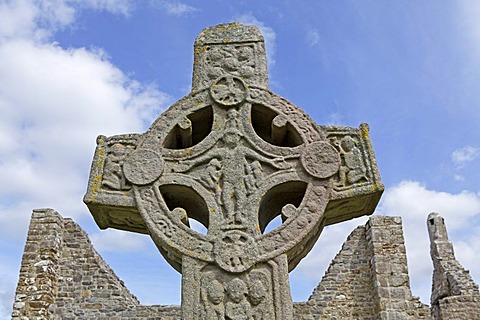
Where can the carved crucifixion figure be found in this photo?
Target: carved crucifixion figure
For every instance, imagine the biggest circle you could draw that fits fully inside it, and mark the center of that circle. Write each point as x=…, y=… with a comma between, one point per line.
x=233, y=156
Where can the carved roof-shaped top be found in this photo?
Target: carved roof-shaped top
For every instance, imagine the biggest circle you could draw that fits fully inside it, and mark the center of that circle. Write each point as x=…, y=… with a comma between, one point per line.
x=235, y=32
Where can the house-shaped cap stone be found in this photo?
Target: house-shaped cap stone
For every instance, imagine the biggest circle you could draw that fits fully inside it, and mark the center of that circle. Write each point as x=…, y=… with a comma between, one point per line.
x=235, y=32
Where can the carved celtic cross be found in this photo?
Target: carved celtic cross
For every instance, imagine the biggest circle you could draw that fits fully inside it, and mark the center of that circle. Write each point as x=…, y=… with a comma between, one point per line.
x=233, y=156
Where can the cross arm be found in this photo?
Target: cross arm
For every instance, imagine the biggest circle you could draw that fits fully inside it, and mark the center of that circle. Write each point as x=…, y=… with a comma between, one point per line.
x=109, y=196
x=357, y=186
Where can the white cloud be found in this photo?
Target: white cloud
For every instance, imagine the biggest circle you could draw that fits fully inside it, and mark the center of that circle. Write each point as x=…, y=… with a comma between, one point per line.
x=461, y=157
x=174, y=8
x=6, y=296
x=413, y=202
x=123, y=7
x=334, y=119
x=17, y=19
x=312, y=37
x=40, y=19
x=468, y=251
x=54, y=102
x=268, y=33
x=112, y=240
x=178, y=8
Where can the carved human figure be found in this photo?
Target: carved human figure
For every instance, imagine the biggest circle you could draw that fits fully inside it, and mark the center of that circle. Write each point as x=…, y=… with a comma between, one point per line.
x=210, y=178
x=233, y=120
x=214, y=307
x=257, y=170
x=257, y=294
x=113, y=177
x=234, y=191
x=249, y=179
x=253, y=175
x=231, y=155
x=354, y=169
x=237, y=308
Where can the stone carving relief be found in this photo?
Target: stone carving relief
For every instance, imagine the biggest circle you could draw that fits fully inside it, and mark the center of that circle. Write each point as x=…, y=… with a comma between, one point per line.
x=354, y=169
x=233, y=156
x=214, y=306
x=125, y=219
x=232, y=173
x=230, y=164
x=253, y=175
x=245, y=297
x=113, y=177
x=237, y=307
x=235, y=251
x=210, y=178
x=233, y=60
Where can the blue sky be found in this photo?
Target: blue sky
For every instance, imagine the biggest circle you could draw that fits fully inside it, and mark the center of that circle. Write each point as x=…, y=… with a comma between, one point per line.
x=71, y=69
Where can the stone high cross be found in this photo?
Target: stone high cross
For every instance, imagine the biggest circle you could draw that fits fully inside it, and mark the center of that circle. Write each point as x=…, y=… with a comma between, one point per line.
x=233, y=156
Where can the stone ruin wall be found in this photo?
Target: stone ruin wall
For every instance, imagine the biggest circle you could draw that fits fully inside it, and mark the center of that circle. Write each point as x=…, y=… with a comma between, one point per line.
x=346, y=290
x=368, y=279
x=454, y=293
x=63, y=277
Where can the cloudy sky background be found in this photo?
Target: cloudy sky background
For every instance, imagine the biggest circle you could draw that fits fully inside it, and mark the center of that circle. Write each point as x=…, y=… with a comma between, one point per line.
x=71, y=70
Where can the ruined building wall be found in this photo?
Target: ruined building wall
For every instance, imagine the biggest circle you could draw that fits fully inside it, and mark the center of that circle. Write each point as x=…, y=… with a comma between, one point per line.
x=37, y=284
x=454, y=293
x=368, y=279
x=346, y=290
x=85, y=280
x=391, y=282
x=63, y=277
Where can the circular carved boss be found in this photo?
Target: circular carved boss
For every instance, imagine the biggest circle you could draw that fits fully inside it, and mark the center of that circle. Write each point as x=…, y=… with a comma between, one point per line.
x=143, y=167
x=228, y=91
x=320, y=159
x=235, y=251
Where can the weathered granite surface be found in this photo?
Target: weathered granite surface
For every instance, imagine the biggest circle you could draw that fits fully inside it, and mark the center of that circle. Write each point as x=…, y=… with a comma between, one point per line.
x=454, y=293
x=368, y=279
x=233, y=156
x=63, y=277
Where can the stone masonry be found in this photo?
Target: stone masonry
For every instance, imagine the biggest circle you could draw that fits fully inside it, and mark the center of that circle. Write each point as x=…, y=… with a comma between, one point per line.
x=233, y=156
x=368, y=279
x=63, y=277
x=454, y=294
